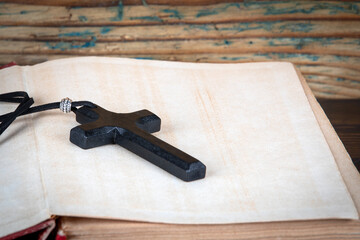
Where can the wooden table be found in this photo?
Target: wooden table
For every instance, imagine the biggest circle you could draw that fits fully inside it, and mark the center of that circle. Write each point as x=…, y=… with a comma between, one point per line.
x=344, y=115
x=320, y=38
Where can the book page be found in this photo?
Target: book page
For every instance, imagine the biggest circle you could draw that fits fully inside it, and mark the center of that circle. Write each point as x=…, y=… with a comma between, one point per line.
x=22, y=198
x=250, y=124
x=345, y=165
x=110, y=229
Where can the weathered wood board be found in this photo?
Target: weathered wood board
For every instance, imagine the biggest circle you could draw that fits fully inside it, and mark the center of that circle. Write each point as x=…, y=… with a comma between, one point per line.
x=322, y=38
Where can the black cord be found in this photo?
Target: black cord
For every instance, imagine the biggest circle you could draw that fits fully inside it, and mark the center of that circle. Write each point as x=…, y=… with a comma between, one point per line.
x=24, y=107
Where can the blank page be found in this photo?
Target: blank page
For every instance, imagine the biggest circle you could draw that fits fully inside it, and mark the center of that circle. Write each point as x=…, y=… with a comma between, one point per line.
x=22, y=197
x=250, y=124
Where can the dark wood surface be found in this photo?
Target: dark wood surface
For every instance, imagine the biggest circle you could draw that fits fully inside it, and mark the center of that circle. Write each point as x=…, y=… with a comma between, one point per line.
x=344, y=115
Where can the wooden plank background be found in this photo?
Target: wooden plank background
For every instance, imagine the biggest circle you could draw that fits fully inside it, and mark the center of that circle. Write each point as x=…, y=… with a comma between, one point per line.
x=322, y=38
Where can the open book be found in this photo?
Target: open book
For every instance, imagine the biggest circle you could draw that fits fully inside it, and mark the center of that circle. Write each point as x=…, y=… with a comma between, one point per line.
x=268, y=156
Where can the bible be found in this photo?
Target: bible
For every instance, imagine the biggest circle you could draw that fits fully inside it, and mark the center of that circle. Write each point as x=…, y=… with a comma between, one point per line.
x=271, y=154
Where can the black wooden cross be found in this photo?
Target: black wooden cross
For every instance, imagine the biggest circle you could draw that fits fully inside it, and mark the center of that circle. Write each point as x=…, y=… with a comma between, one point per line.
x=132, y=131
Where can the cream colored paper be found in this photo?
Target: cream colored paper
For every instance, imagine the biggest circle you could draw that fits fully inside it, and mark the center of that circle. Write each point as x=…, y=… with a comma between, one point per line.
x=345, y=165
x=250, y=124
x=22, y=198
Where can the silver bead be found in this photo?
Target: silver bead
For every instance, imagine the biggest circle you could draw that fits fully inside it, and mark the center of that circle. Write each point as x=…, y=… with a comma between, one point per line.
x=65, y=105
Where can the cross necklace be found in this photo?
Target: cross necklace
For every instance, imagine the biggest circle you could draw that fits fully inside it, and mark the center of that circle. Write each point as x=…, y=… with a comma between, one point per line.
x=129, y=130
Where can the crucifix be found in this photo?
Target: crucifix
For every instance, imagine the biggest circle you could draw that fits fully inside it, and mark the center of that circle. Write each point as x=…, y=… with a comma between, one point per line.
x=133, y=132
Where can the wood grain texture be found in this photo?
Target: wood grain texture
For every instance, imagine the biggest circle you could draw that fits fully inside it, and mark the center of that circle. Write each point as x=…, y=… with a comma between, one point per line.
x=84, y=228
x=287, y=29
x=321, y=37
x=296, y=58
x=121, y=15
x=343, y=46
x=344, y=115
x=91, y=3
